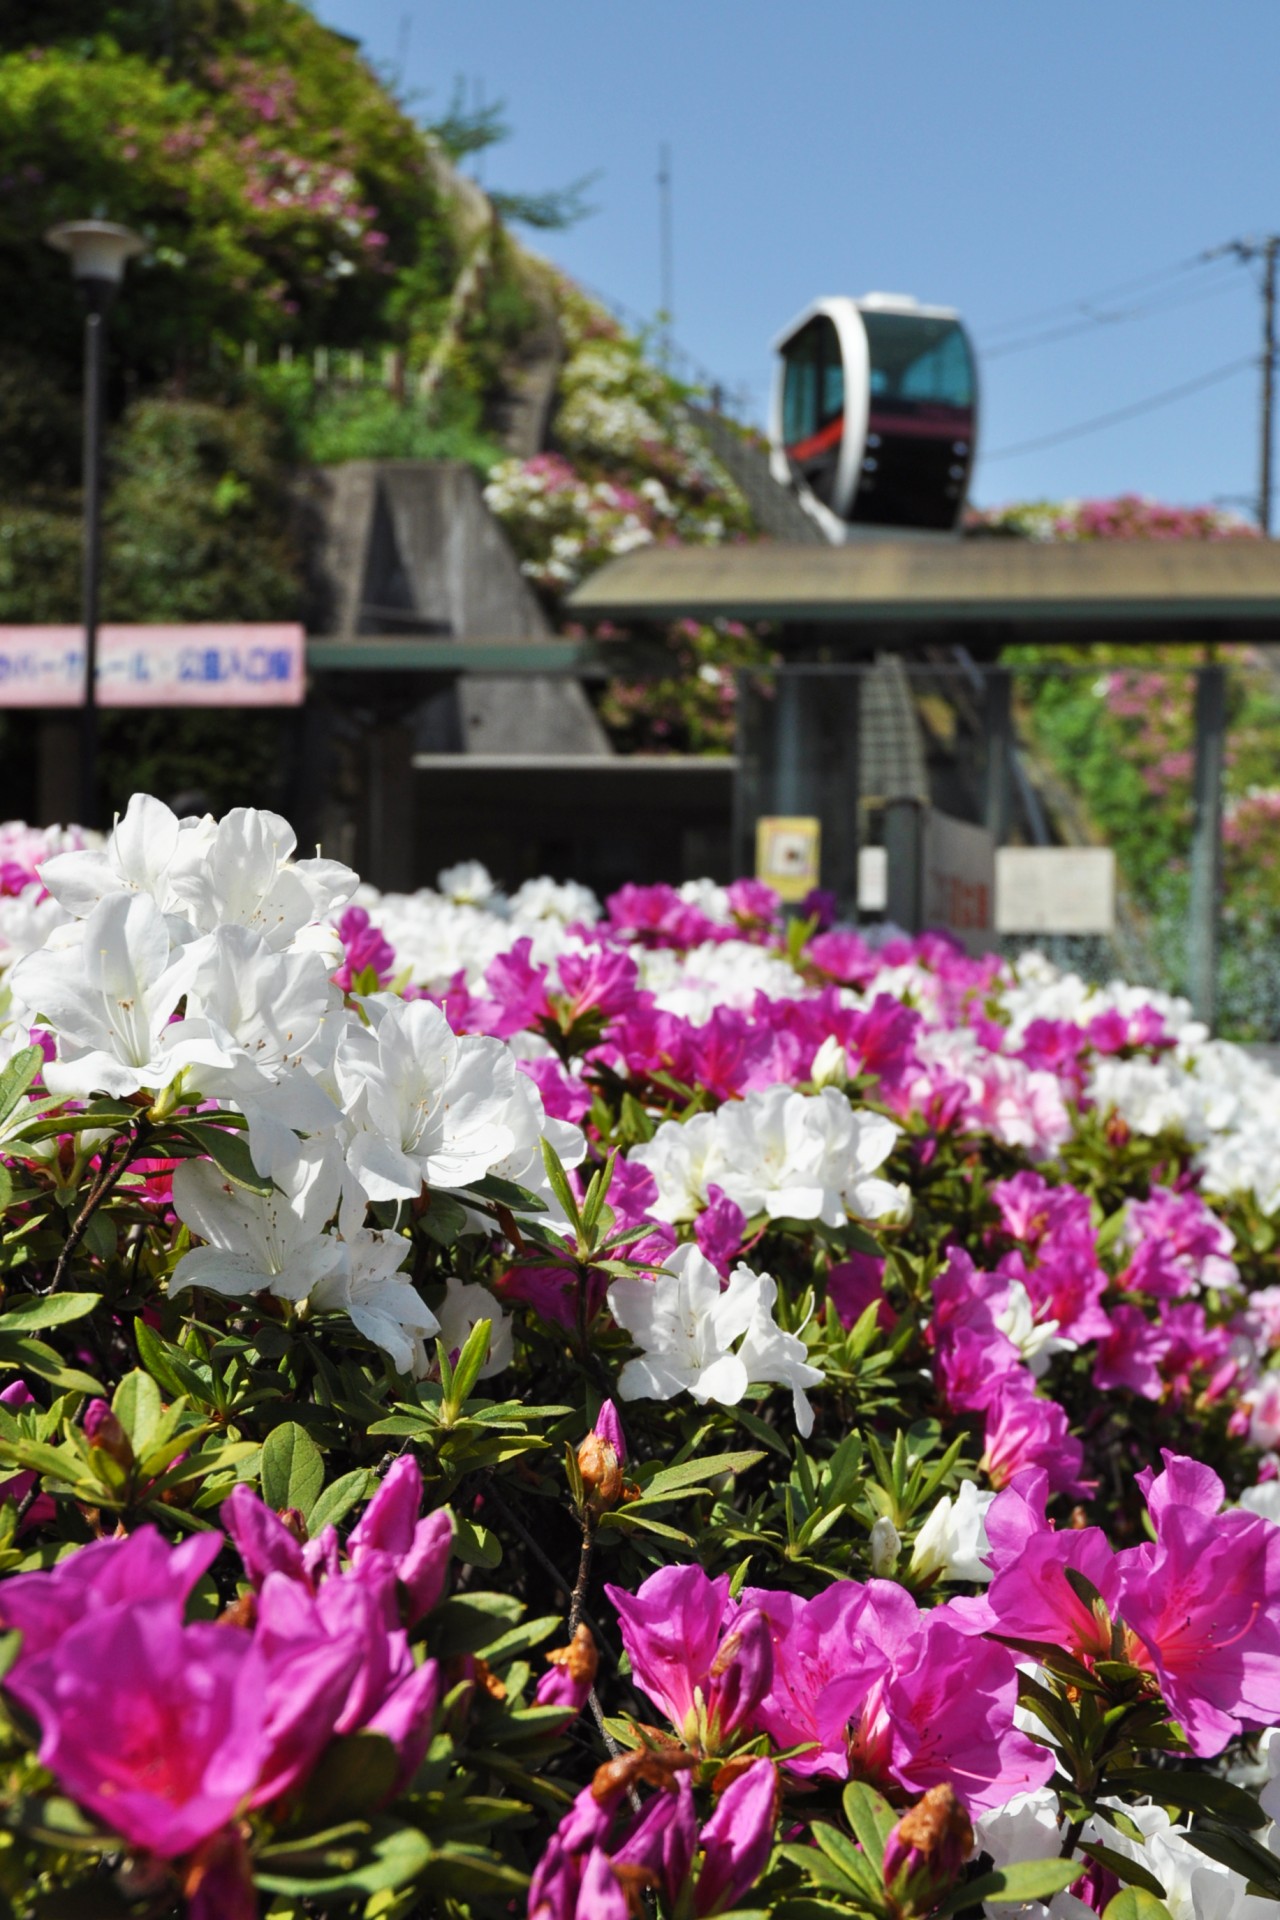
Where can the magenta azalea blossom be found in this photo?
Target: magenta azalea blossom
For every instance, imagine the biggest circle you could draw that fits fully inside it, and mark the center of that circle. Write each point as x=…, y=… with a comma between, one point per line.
x=157, y=1728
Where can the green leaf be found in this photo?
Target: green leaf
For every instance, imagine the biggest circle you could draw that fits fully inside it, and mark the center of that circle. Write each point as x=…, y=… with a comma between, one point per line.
x=1131, y=1871
x=1242, y=1854
x=466, y=1368
x=1200, y=1792
x=18, y=1074
x=337, y=1500
x=668, y=1480
x=475, y=1545
x=356, y=1774
x=136, y=1405
x=444, y=1220
x=27, y=1315
x=505, y=1193
x=33, y=1356
x=472, y=1622
x=1010, y=1886
x=229, y=1153
x=871, y=1818
x=852, y=1863
x=1135, y=1903
x=558, y=1180
x=628, y=1519
x=388, y=1858
x=167, y=1365
x=292, y=1468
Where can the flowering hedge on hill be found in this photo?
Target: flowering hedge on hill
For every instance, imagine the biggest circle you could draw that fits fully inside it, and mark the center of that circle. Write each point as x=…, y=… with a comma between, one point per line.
x=517, y=1406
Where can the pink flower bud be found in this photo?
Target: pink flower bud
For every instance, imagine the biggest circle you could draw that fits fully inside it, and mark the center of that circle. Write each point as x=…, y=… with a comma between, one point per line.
x=104, y=1432
x=926, y=1852
x=572, y=1675
x=739, y=1676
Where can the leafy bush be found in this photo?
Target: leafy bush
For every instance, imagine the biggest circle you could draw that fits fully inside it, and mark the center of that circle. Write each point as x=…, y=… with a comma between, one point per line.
x=729, y=1414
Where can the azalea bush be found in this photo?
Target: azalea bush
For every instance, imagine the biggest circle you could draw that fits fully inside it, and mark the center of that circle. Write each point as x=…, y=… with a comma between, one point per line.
x=524, y=1406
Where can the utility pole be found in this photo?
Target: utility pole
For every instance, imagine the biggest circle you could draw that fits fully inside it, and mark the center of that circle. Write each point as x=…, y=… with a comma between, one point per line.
x=1266, y=250
x=1269, y=250
x=664, y=238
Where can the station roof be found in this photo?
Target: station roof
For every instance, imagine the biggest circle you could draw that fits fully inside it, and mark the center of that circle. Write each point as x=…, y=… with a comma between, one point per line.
x=1014, y=590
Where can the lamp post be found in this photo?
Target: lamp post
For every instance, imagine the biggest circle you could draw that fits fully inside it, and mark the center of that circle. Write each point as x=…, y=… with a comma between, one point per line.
x=98, y=250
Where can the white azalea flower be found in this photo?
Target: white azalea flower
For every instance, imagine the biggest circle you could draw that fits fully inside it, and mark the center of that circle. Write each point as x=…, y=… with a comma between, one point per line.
x=769, y=1354
x=1036, y=1340
x=468, y=884
x=272, y=1242
x=464, y=1306
x=830, y=1064
x=426, y=1106
x=802, y=1156
x=107, y=993
x=953, y=1540
x=244, y=876
x=686, y=1326
x=679, y=1156
x=523, y=1165
x=383, y=1303
x=263, y=1012
x=885, y=1543
x=135, y=859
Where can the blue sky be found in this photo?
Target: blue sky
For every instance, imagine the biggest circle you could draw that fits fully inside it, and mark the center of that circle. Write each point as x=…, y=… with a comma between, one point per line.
x=998, y=156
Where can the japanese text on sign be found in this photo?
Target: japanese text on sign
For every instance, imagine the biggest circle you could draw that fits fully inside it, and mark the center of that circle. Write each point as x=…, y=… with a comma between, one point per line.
x=196, y=666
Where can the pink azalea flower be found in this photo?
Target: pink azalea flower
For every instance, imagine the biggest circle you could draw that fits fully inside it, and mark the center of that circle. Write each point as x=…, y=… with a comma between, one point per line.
x=737, y=1840
x=680, y=1653
x=1202, y=1599
x=156, y=1728
x=390, y=1534
x=1023, y=1430
x=853, y=1283
x=1131, y=1354
x=720, y=1230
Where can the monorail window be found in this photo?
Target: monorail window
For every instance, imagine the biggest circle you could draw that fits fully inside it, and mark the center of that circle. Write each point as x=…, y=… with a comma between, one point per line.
x=917, y=360
x=813, y=390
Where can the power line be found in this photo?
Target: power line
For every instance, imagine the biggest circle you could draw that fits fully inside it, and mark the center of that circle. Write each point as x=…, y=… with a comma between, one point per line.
x=1069, y=329
x=1124, y=413
x=1081, y=302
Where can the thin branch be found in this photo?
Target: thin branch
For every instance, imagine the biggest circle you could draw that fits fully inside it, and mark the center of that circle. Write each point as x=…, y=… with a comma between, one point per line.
x=547, y=1563
x=584, y=1572
x=109, y=1178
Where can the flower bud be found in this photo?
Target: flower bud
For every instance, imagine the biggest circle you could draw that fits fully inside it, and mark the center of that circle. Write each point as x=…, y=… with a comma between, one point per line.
x=886, y=1545
x=105, y=1434
x=572, y=1675
x=739, y=1677
x=926, y=1852
x=600, y=1459
x=830, y=1064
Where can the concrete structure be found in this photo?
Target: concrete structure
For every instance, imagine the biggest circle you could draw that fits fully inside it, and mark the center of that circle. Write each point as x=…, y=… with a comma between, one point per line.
x=405, y=555
x=997, y=591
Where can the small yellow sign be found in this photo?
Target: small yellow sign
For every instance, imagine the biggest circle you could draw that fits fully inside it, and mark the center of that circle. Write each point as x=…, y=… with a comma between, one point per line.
x=787, y=854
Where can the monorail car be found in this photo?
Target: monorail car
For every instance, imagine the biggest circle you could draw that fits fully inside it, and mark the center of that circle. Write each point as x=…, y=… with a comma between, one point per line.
x=875, y=414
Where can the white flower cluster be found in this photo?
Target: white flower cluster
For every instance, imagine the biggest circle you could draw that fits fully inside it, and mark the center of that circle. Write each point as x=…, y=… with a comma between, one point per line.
x=686, y=1327
x=789, y=1155
x=1225, y=1101
x=193, y=966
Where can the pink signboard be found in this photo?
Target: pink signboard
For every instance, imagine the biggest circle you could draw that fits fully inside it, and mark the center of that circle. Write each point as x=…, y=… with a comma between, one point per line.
x=201, y=666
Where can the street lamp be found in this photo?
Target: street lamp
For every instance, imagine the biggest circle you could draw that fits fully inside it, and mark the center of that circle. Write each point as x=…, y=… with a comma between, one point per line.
x=98, y=251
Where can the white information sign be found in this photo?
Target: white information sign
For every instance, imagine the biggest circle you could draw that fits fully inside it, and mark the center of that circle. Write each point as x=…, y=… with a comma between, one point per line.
x=1055, y=890
x=958, y=881
x=198, y=666
x=873, y=879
